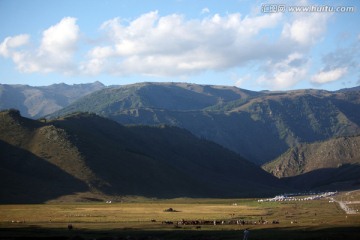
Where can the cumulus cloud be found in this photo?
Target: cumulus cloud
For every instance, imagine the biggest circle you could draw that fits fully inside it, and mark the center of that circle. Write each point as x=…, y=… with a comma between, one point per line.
x=60, y=39
x=342, y=61
x=306, y=28
x=171, y=45
x=329, y=76
x=284, y=73
x=11, y=43
x=58, y=45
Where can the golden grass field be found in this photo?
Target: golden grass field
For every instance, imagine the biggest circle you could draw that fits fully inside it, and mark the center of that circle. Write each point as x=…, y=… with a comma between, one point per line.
x=316, y=219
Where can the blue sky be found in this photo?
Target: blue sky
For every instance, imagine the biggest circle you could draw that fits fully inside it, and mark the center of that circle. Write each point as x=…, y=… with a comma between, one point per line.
x=231, y=42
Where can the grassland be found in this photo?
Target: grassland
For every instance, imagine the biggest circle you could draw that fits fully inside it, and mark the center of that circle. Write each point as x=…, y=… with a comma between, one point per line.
x=143, y=219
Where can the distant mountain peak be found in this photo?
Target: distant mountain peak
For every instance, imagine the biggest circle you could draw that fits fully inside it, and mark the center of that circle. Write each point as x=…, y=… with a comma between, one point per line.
x=39, y=101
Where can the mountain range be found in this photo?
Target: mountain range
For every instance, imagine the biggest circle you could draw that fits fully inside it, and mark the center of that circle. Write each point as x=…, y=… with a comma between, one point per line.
x=140, y=139
x=44, y=160
x=36, y=102
x=259, y=126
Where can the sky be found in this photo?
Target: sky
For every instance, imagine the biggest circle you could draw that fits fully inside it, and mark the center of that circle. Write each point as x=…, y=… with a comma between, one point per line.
x=255, y=45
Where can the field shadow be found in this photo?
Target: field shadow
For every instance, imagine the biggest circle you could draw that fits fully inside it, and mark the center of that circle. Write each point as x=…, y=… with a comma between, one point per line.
x=290, y=233
x=27, y=178
x=325, y=177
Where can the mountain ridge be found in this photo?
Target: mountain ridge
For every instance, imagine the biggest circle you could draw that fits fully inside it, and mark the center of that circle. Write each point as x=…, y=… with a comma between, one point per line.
x=97, y=155
x=244, y=122
x=158, y=119
x=308, y=157
x=38, y=101
x=319, y=164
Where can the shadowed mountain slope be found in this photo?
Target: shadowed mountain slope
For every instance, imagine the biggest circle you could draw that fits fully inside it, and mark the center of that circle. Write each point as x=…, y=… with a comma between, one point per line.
x=27, y=178
x=259, y=126
x=91, y=153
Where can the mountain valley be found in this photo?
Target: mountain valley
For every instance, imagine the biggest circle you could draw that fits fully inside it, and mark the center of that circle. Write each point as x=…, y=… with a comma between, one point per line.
x=169, y=140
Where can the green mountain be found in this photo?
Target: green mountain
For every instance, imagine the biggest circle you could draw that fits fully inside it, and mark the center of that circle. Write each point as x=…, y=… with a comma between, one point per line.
x=319, y=164
x=164, y=96
x=36, y=102
x=40, y=161
x=260, y=126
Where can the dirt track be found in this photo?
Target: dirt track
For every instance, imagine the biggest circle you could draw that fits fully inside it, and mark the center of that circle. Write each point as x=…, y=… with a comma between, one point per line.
x=344, y=204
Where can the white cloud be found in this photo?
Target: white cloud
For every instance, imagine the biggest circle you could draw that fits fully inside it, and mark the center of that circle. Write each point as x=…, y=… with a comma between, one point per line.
x=101, y=52
x=205, y=10
x=171, y=45
x=60, y=39
x=10, y=43
x=93, y=67
x=285, y=73
x=306, y=28
x=55, y=53
x=329, y=76
x=341, y=61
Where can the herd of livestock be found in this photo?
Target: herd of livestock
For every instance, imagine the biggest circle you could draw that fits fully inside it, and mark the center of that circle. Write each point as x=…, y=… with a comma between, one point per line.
x=219, y=222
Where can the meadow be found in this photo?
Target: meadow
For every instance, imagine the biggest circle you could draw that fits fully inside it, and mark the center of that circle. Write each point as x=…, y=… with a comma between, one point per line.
x=148, y=219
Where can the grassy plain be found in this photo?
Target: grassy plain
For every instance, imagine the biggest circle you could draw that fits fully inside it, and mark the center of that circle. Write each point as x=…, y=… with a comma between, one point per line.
x=134, y=219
